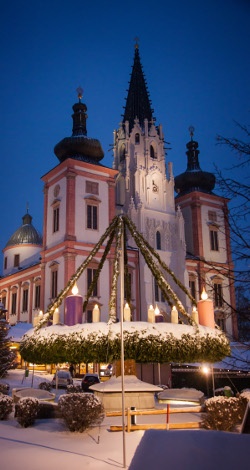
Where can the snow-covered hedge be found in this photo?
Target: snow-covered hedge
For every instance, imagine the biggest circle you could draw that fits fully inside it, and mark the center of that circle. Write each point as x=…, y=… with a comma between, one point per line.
x=223, y=413
x=4, y=388
x=26, y=411
x=45, y=386
x=80, y=411
x=6, y=406
x=74, y=388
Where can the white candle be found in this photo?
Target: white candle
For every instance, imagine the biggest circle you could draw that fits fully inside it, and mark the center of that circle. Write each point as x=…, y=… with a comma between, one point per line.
x=151, y=314
x=96, y=314
x=194, y=315
x=174, y=315
x=127, y=312
x=56, y=317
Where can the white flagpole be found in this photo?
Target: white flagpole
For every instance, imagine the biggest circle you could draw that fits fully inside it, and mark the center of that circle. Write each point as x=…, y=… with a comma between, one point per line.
x=122, y=344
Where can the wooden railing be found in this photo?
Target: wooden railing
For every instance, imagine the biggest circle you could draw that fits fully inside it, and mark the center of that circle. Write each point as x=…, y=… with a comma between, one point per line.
x=132, y=426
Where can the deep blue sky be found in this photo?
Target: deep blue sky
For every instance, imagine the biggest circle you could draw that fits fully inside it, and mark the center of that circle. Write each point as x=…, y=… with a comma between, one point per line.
x=195, y=56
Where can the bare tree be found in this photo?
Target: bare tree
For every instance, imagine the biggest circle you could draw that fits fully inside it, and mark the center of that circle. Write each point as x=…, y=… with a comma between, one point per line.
x=234, y=184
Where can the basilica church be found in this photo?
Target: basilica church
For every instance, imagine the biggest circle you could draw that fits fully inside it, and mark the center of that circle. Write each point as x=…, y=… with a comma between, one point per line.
x=181, y=217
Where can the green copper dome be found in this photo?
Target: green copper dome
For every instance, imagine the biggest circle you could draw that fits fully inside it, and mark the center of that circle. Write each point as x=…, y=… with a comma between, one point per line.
x=26, y=234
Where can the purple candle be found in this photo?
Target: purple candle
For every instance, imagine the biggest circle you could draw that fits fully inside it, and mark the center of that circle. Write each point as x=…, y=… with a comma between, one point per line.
x=73, y=309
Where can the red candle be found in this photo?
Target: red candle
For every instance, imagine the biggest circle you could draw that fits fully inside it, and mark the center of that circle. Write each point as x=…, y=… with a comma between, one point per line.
x=206, y=311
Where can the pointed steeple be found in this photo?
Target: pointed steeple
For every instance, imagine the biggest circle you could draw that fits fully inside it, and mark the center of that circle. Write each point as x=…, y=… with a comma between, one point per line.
x=194, y=178
x=138, y=104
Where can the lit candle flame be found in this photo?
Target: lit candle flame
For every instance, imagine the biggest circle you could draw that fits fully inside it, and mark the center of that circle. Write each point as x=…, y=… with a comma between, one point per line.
x=75, y=290
x=204, y=295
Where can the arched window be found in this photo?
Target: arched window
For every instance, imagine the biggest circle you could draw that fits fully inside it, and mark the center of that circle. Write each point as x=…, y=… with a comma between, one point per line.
x=152, y=152
x=122, y=153
x=158, y=240
x=137, y=138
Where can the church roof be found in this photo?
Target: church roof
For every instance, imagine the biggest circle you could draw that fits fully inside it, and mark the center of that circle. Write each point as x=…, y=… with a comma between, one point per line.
x=79, y=146
x=138, y=104
x=26, y=234
x=194, y=178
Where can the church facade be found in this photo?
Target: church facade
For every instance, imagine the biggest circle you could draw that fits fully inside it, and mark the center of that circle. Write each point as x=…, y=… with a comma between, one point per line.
x=81, y=197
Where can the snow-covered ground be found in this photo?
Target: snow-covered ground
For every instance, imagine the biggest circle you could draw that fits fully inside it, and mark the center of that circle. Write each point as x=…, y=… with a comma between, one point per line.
x=49, y=445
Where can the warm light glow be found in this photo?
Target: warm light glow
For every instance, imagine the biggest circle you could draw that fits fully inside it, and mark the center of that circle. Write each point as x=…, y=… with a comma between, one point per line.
x=157, y=311
x=56, y=310
x=96, y=307
x=41, y=314
x=75, y=290
x=205, y=370
x=204, y=295
x=174, y=309
x=194, y=309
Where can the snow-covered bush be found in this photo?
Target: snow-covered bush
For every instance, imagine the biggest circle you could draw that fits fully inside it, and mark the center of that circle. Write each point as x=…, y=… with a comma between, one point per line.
x=74, y=389
x=223, y=413
x=80, y=411
x=45, y=386
x=26, y=411
x=6, y=406
x=4, y=388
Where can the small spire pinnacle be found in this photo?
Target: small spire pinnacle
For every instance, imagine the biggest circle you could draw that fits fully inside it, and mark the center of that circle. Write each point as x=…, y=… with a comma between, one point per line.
x=191, y=131
x=136, y=42
x=79, y=93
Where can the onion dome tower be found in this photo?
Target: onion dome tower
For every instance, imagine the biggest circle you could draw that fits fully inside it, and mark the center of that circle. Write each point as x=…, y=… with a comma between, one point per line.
x=194, y=179
x=26, y=234
x=79, y=146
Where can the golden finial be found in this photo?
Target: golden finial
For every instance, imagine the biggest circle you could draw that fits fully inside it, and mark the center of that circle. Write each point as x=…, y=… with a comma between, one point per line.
x=191, y=131
x=79, y=92
x=136, y=42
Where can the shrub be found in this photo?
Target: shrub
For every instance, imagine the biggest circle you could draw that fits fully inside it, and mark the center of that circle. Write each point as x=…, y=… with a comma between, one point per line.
x=26, y=411
x=80, y=411
x=74, y=389
x=223, y=414
x=45, y=386
x=6, y=406
x=4, y=388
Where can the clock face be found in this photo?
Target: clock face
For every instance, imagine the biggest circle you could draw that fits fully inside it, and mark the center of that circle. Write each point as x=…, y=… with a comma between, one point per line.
x=155, y=188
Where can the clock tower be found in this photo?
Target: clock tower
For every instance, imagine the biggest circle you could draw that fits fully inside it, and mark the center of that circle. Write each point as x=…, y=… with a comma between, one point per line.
x=145, y=188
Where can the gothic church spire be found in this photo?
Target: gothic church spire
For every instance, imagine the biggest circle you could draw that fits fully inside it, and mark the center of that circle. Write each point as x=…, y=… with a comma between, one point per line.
x=138, y=104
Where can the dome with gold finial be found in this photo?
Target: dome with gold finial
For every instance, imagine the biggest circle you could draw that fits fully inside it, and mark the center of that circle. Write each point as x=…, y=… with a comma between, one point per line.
x=79, y=146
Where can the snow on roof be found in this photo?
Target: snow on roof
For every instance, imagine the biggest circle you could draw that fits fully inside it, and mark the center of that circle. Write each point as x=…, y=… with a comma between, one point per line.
x=17, y=331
